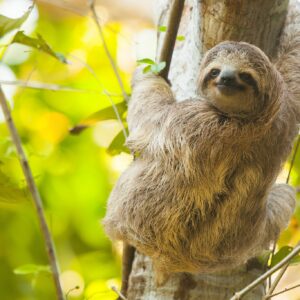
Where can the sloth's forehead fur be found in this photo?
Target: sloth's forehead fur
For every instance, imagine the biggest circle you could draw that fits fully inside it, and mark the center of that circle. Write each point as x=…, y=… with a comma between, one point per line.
x=239, y=54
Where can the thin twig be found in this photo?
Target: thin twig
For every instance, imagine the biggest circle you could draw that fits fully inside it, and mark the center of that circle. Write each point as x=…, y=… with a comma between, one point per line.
x=71, y=290
x=35, y=196
x=53, y=87
x=111, y=60
x=270, y=261
x=283, y=291
x=105, y=92
x=293, y=159
x=121, y=296
x=267, y=274
x=276, y=281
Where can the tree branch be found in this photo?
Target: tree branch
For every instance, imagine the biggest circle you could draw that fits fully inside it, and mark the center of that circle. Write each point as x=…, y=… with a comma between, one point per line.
x=280, y=275
x=283, y=291
x=276, y=281
x=35, y=196
x=170, y=37
x=267, y=274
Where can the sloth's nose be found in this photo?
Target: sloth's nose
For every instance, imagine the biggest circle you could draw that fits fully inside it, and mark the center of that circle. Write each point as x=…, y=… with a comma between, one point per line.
x=227, y=77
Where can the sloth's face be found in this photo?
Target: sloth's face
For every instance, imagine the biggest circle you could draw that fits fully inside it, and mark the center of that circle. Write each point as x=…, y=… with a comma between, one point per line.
x=232, y=77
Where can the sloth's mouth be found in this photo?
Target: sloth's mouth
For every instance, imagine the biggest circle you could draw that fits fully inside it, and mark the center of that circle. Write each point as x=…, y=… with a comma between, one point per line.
x=229, y=88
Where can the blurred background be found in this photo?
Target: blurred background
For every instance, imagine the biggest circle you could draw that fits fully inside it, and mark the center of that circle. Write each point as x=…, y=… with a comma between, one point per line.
x=74, y=173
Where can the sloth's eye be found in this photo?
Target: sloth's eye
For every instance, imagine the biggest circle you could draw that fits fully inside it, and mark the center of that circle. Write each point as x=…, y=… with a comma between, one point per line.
x=214, y=73
x=246, y=77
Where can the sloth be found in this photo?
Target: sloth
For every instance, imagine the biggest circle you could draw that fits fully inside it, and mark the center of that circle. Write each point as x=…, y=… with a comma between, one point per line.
x=200, y=196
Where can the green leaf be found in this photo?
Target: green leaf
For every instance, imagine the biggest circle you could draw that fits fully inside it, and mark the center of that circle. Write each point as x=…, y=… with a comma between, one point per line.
x=162, y=28
x=282, y=253
x=147, y=69
x=38, y=43
x=8, y=24
x=11, y=193
x=146, y=61
x=118, y=145
x=156, y=68
x=32, y=269
x=180, y=38
x=107, y=113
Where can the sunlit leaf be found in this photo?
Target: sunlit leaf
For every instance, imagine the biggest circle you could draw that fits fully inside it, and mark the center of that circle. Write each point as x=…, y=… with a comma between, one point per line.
x=38, y=43
x=108, y=113
x=147, y=69
x=156, y=68
x=146, y=61
x=162, y=28
x=32, y=269
x=8, y=24
x=180, y=38
x=117, y=146
x=10, y=193
x=282, y=253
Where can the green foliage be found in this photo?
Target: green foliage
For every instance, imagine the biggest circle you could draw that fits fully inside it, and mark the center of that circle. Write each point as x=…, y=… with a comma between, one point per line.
x=147, y=61
x=38, y=43
x=8, y=24
x=152, y=66
x=282, y=253
x=10, y=193
x=162, y=28
x=180, y=38
x=32, y=269
x=108, y=113
x=118, y=144
x=74, y=173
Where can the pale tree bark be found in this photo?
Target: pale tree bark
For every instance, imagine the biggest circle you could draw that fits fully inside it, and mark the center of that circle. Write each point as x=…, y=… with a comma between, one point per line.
x=204, y=24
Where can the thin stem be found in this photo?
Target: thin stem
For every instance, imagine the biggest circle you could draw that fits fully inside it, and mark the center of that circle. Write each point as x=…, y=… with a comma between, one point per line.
x=35, y=196
x=106, y=93
x=111, y=60
x=121, y=296
x=276, y=281
x=53, y=87
x=270, y=261
x=267, y=274
x=283, y=291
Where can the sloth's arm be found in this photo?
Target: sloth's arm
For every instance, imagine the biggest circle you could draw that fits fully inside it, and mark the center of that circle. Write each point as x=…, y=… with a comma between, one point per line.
x=280, y=207
x=150, y=101
x=157, y=123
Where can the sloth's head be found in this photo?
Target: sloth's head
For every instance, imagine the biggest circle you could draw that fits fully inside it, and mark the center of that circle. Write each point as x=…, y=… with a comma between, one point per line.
x=236, y=78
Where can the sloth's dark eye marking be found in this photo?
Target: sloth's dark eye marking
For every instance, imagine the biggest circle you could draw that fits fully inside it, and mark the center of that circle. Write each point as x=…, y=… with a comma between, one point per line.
x=246, y=77
x=214, y=73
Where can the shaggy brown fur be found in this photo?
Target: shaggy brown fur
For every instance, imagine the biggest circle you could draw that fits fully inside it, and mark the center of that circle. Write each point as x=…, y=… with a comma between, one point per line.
x=201, y=196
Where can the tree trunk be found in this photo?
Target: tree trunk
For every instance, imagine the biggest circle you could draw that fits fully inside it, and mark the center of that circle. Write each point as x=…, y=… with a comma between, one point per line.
x=204, y=24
